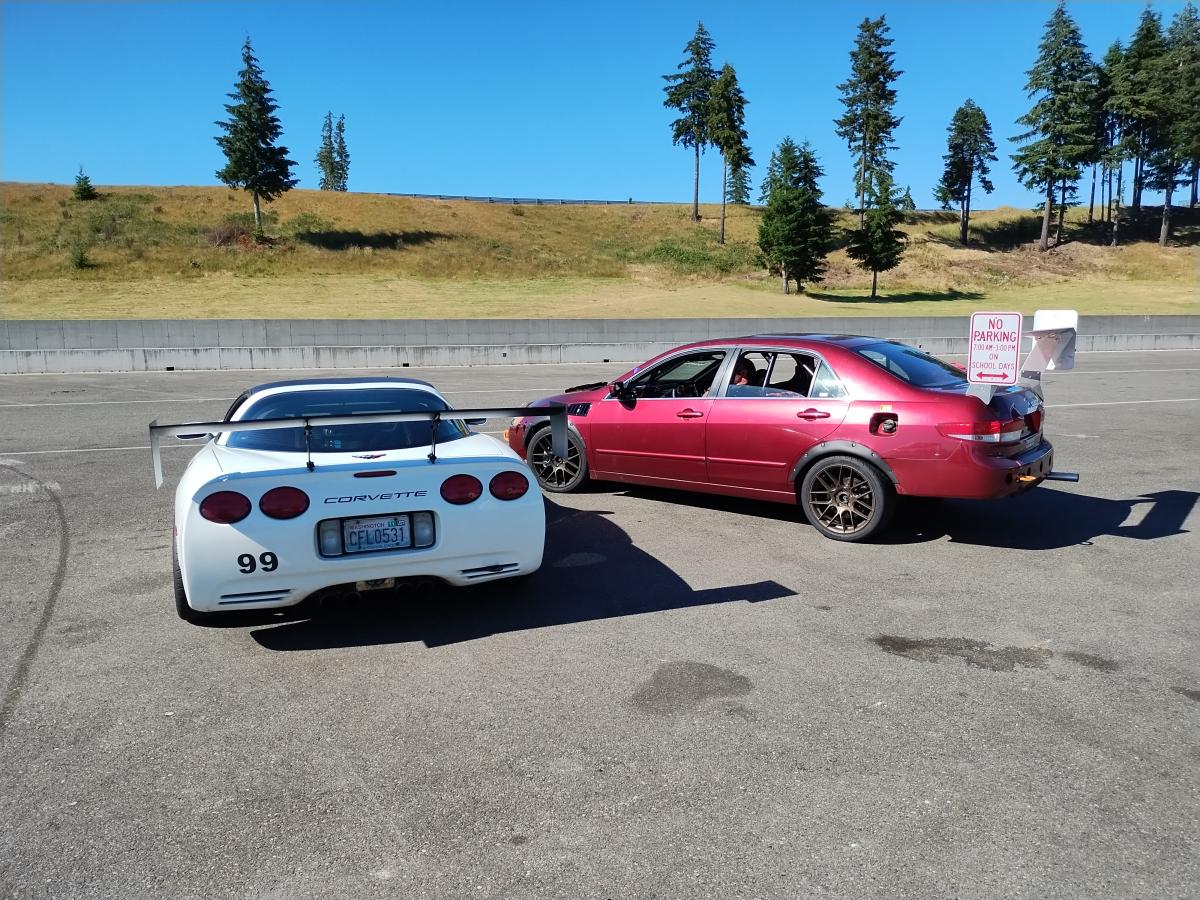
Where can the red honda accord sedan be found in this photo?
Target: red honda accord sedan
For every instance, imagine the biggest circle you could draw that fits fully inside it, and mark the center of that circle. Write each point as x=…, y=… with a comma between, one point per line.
x=839, y=424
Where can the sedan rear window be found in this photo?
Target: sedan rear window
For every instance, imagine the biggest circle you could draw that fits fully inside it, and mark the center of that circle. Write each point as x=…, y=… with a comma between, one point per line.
x=912, y=365
x=347, y=438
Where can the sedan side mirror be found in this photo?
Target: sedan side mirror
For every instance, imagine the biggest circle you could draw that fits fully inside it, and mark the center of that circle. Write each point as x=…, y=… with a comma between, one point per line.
x=620, y=390
x=475, y=421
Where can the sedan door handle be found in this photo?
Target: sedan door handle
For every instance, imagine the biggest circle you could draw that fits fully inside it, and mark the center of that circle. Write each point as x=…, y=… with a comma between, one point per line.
x=691, y=414
x=811, y=414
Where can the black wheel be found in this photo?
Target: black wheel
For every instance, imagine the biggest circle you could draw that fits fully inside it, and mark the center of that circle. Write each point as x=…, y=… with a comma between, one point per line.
x=195, y=617
x=555, y=474
x=846, y=498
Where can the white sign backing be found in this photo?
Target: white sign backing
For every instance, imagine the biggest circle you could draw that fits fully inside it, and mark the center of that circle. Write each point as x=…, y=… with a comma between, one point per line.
x=993, y=357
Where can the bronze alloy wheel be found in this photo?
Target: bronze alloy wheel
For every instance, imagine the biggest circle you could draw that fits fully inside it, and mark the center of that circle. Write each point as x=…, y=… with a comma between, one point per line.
x=556, y=474
x=846, y=498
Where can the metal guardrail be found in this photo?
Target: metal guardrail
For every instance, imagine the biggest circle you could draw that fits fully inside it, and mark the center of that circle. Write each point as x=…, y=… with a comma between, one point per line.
x=536, y=201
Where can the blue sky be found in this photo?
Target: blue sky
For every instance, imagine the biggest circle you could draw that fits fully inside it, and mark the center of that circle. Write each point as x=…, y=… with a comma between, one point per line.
x=501, y=98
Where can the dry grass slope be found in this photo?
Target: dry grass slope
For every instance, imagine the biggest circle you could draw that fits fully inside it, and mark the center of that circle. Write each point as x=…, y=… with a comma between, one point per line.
x=180, y=251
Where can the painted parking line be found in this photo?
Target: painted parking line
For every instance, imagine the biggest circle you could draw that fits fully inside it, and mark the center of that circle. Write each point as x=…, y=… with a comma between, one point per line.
x=1122, y=402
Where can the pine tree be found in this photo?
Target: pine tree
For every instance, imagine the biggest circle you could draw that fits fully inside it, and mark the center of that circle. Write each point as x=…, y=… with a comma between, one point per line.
x=1109, y=76
x=878, y=245
x=1184, y=40
x=1172, y=139
x=782, y=171
x=326, y=163
x=969, y=149
x=868, y=97
x=796, y=231
x=1137, y=94
x=727, y=129
x=83, y=189
x=688, y=91
x=254, y=162
x=341, y=156
x=908, y=206
x=737, y=191
x=1059, y=135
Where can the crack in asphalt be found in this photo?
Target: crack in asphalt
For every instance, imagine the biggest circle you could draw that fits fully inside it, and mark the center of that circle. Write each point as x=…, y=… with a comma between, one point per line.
x=12, y=692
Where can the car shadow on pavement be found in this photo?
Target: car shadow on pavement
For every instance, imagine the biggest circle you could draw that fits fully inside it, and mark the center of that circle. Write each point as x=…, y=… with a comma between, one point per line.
x=1042, y=519
x=591, y=571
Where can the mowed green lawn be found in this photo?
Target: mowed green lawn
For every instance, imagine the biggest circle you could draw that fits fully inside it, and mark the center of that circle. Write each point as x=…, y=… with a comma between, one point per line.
x=155, y=253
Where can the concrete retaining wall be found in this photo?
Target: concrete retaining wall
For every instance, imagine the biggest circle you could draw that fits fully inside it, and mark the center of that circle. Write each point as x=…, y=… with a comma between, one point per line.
x=156, y=345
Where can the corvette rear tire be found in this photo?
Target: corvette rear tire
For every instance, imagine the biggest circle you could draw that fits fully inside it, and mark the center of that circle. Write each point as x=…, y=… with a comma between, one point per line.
x=192, y=616
x=846, y=498
x=558, y=476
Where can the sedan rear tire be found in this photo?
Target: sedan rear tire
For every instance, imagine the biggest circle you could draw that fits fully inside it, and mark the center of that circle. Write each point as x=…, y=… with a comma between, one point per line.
x=558, y=476
x=846, y=498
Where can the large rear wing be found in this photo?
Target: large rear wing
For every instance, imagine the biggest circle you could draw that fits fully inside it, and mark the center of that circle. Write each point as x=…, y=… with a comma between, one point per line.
x=1053, y=350
x=556, y=413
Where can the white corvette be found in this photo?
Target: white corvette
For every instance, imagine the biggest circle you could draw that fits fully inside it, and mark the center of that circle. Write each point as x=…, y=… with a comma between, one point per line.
x=337, y=485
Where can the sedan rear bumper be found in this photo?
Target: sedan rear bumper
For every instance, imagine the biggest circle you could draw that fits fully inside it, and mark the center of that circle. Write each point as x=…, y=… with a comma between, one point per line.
x=969, y=474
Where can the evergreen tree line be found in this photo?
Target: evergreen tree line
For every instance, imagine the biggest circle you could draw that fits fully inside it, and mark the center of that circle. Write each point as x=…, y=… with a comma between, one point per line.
x=1138, y=110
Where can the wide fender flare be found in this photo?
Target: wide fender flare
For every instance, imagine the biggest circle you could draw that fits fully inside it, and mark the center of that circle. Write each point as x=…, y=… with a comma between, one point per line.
x=841, y=448
x=544, y=422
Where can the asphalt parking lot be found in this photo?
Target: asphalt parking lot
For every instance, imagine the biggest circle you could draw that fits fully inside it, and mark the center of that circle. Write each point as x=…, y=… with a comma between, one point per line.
x=695, y=697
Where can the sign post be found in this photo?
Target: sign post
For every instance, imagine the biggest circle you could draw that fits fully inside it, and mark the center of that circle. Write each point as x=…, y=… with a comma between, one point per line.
x=993, y=359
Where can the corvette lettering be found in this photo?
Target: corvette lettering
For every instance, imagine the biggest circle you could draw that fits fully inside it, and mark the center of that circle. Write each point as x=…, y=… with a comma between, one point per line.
x=396, y=495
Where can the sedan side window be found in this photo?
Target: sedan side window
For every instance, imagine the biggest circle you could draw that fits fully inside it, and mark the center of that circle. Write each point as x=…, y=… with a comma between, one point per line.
x=690, y=375
x=826, y=385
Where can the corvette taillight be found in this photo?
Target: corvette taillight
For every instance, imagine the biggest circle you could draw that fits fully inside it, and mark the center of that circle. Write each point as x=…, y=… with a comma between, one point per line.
x=225, y=507
x=283, y=502
x=990, y=431
x=508, y=486
x=460, y=489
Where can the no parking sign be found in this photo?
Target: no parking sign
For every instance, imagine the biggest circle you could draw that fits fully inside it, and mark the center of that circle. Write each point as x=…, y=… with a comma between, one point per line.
x=995, y=348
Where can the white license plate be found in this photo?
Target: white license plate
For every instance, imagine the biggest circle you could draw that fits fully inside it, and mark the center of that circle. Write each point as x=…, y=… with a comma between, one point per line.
x=376, y=533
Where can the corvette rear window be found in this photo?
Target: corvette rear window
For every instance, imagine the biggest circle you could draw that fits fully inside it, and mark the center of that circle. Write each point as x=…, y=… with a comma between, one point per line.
x=346, y=438
x=912, y=365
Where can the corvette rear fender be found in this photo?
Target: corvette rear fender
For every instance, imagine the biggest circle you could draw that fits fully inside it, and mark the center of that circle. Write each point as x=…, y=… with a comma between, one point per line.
x=557, y=415
x=844, y=448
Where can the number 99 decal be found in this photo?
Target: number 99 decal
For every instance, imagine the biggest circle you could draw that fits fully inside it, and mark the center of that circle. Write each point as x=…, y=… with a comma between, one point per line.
x=247, y=563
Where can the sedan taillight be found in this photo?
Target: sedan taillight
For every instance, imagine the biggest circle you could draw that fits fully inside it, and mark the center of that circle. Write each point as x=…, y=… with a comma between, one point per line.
x=991, y=431
x=460, y=489
x=225, y=507
x=508, y=486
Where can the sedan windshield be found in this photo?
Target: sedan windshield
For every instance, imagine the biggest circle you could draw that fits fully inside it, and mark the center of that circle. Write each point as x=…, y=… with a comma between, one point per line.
x=347, y=438
x=912, y=365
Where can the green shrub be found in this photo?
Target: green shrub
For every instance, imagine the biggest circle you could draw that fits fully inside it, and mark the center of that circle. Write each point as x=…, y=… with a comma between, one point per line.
x=78, y=255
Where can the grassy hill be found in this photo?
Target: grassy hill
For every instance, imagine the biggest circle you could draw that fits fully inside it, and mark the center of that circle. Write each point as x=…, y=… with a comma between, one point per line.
x=186, y=251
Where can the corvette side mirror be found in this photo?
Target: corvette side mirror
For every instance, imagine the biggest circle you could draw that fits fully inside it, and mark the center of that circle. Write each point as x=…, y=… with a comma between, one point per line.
x=475, y=421
x=199, y=436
